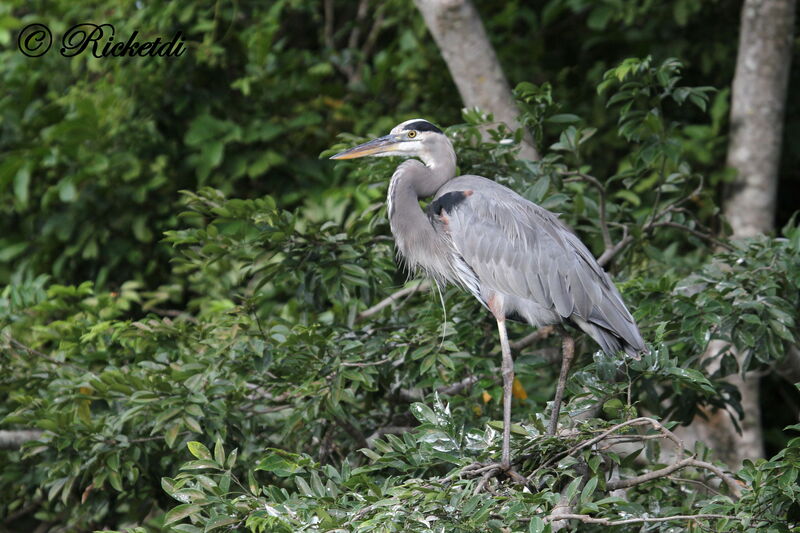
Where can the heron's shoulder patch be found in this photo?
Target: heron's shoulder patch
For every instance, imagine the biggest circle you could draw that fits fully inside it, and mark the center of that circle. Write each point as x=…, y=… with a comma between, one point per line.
x=447, y=202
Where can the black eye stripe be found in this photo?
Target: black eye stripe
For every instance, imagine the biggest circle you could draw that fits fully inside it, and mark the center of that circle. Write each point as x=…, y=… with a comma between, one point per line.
x=421, y=125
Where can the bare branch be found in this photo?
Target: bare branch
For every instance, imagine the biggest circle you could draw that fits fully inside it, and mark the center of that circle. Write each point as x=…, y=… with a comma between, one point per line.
x=327, y=32
x=578, y=447
x=649, y=476
x=388, y=430
x=538, y=335
x=372, y=36
x=704, y=236
x=455, y=388
x=732, y=484
x=667, y=470
x=586, y=519
x=609, y=253
x=41, y=355
x=14, y=438
x=389, y=300
x=416, y=395
x=361, y=14
x=362, y=365
x=601, y=205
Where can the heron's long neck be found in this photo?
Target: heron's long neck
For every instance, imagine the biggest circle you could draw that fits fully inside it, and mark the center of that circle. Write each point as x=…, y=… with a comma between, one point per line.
x=416, y=239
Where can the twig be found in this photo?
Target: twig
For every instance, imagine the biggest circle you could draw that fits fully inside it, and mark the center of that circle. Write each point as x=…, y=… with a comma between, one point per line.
x=538, y=335
x=41, y=355
x=732, y=484
x=355, y=33
x=388, y=430
x=578, y=447
x=705, y=236
x=353, y=431
x=607, y=242
x=372, y=36
x=328, y=24
x=612, y=485
x=706, y=486
x=416, y=395
x=389, y=300
x=362, y=365
x=16, y=515
x=609, y=253
x=586, y=519
x=455, y=388
x=151, y=439
x=14, y=438
x=611, y=249
x=650, y=476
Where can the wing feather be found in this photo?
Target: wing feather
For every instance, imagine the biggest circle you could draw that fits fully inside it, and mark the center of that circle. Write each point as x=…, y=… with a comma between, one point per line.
x=524, y=251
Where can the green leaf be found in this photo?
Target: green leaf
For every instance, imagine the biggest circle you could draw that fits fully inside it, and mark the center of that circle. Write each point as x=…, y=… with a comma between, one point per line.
x=232, y=458
x=423, y=413
x=588, y=490
x=198, y=450
x=200, y=465
x=219, y=452
x=282, y=464
x=171, y=434
x=220, y=521
x=168, y=485
x=563, y=118
x=115, y=480
x=180, y=512
x=613, y=407
x=572, y=489
x=536, y=525
x=22, y=185
x=629, y=196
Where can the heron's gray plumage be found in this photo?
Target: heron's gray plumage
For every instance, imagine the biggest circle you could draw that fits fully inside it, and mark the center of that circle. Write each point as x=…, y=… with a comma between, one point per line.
x=543, y=272
x=516, y=257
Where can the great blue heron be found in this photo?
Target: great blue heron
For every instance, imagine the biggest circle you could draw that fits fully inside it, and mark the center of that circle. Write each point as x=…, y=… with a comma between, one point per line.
x=518, y=259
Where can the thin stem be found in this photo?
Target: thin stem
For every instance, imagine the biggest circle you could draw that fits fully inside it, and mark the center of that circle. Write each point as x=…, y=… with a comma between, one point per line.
x=389, y=300
x=586, y=519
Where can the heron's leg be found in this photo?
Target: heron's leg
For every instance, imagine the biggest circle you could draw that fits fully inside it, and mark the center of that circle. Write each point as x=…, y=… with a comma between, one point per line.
x=567, y=354
x=508, y=383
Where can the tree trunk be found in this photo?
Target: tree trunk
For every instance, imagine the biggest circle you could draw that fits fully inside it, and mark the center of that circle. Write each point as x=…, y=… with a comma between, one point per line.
x=759, y=99
x=459, y=33
x=757, y=109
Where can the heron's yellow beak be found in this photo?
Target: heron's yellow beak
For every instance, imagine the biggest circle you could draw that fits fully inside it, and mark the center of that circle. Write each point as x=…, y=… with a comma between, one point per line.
x=379, y=146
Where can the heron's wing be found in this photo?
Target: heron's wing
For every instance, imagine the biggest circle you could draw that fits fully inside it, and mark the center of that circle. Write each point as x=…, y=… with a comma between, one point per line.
x=524, y=251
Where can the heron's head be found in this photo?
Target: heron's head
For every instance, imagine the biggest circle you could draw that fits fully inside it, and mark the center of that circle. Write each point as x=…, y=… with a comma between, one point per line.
x=415, y=137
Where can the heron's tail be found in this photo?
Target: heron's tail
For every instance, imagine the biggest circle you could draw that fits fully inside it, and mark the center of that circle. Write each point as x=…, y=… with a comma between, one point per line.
x=611, y=342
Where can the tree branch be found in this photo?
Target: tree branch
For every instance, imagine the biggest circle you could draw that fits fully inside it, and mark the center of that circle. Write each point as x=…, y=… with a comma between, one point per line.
x=538, y=335
x=388, y=430
x=699, y=234
x=389, y=300
x=586, y=519
x=601, y=205
x=41, y=355
x=611, y=485
x=416, y=395
x=362, y=365
x=14, y=438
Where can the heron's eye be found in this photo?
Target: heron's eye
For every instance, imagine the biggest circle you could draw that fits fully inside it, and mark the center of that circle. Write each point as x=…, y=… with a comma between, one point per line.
x=411, y=134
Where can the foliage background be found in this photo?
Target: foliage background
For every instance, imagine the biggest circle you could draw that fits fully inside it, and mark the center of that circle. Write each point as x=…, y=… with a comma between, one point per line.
x=137, y=318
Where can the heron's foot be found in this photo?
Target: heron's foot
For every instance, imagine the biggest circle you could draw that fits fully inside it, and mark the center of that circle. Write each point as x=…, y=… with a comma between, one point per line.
x=487, y=471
